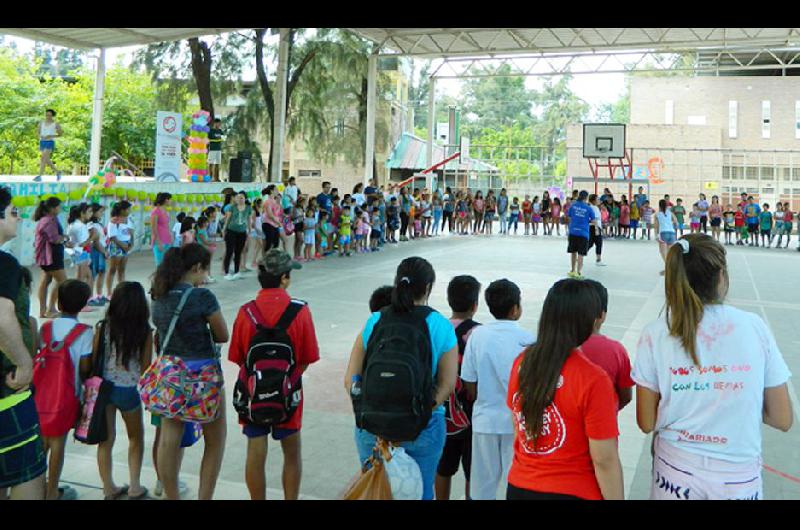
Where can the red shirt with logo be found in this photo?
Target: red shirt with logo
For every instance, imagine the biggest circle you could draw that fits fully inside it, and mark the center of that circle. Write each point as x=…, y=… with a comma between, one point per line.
x=271, y=304
x=585, y=406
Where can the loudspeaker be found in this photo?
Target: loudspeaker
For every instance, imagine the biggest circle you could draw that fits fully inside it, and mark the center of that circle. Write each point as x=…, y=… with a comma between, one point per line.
x=241, y=169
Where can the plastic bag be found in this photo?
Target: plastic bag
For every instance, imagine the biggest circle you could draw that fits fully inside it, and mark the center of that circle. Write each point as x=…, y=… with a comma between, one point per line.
x=405, y=477
x=372, y=484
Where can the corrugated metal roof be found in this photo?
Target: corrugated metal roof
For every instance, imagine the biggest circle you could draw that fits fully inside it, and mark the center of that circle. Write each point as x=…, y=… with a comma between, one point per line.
x=86, y=38
x=410, y=153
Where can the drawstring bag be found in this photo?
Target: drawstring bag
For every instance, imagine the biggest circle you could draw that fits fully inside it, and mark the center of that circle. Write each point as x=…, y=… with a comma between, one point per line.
x=171, y=389
x=92, y=427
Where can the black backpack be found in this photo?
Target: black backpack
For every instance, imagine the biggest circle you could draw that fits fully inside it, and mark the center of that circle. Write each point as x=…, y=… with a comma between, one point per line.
x=396, y=398
x=269, y=387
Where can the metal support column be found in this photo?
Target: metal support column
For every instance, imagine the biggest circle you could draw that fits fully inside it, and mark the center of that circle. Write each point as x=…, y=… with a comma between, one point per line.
x=97, y=113
x=280, y=106
x=431, y=122
x=369, y=156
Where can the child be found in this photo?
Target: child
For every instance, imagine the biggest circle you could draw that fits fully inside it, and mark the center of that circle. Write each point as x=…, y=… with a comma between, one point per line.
x=615, y=211
x=426, y=215
x=298, y=218
x=778, y=222
x=536, y=214
x=392, y=220
x=77, y=340
x=647, y=218
x=309, y=230
x=739, y=225
x=752, y=212
x=624, y=218
x=437, y=214
x=377, y=229
x=788, y=218
x=364, y=231
x=80, y=243
x=255, y=234
x=527, y=209
x=488, y=358
x=679, y=212
x=210, y=213
x=729, y=218
x=120, y=242
x=202, y=236
x=324, y=232
x=98, y=254
x=380, y=298
x=125, y=340
x=604, y=218
x=344, y=232
x=555, y=216
x=765, y=220
x=187, y=231
x=514, y=210
x=176, y=230
x=635, y=216
x=463, y=293
x=417, y=224
x=695, y=219
x=609, y=354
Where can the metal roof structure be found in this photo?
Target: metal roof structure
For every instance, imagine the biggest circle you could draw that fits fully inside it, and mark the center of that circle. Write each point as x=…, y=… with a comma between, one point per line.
x=88, y=38
x=409, y=153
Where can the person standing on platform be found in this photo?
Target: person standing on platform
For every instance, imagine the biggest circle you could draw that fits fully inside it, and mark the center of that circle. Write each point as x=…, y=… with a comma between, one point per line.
x=48, y=130
x=215, y=149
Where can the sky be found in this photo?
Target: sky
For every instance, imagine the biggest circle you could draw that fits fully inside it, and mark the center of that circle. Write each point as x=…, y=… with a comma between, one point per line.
x=595, y=89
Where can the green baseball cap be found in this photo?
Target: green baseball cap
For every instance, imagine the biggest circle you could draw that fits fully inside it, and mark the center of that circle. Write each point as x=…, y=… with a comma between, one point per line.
x=277, y=262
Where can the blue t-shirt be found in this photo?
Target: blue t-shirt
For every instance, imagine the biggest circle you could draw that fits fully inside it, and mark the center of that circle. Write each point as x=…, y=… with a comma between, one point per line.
x=640, y=200
x=443, y=339
x=325, y=202
x=752, y=210
x=580, y=214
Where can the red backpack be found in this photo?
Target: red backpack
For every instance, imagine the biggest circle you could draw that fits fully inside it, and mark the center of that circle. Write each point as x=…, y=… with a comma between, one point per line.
x=458, y=407
x=54, y=382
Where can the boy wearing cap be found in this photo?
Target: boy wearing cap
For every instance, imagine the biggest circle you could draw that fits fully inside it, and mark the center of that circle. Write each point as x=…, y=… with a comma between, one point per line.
x=274, y=275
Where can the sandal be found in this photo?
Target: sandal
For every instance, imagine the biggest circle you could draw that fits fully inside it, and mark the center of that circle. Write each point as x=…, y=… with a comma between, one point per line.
x=141, y=496
x=117, y=494
x=67, y=493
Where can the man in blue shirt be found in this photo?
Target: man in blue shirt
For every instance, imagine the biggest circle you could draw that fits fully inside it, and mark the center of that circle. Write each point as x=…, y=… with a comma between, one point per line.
x=324, y=199
x=640, y=198
x=580, y=215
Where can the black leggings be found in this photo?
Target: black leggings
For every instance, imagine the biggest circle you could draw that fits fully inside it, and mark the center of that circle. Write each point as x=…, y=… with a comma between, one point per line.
x=514, y=493
x=272, y=236
x=596, y=239
x=448, y=220
x=403, y=224
x=704, y=223
x=234, y=244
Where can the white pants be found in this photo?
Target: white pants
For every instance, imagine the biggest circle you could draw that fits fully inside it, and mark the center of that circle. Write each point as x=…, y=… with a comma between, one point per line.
x=491, y=459
x=678, y=475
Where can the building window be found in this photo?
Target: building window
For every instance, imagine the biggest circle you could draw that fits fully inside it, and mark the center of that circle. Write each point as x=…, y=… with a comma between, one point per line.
x=309, y=173
x=669, y=112
x=765, y=119
x=733, y=109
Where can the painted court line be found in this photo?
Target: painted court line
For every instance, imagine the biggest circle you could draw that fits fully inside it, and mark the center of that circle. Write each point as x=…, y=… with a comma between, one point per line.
x=781, y=474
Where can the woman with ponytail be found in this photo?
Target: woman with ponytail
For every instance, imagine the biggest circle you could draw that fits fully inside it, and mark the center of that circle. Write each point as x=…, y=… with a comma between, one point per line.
x=707, y=375
x=564, y=407
x=48, y=243
x=412, y=287
x=198, y=328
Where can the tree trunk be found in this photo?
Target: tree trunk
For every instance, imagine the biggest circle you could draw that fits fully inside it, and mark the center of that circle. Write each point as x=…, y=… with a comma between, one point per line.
x=201, y=69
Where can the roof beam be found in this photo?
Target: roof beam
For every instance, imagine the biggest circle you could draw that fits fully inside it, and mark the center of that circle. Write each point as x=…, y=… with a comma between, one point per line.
x=33, y=34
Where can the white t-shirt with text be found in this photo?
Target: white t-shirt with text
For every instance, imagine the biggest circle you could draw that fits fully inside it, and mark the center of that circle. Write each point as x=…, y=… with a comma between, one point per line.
x=488, y=358
x=714, y=410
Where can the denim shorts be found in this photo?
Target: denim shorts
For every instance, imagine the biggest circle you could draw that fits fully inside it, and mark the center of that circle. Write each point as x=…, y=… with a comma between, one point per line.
x=125, y=398
x=667, y=237
x=98, y=263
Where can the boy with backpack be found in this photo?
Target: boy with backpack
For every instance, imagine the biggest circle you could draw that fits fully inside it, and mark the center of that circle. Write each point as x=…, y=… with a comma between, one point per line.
x=56, y=378
x=488, y=358
x=273, y=342
x=463, y=293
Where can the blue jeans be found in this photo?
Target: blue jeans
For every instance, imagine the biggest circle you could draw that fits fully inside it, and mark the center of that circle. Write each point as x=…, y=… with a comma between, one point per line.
x=426, y=450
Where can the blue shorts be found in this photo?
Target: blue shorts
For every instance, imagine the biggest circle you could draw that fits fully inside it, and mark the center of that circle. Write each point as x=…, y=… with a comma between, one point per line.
x=359, y=237
x=278, y=434
x=344, y=240
x=667, y=237
x=634, y=223
x=125, y=398
x=158, y=255
x=81, y=257
x=98, y=263
x=48, y=145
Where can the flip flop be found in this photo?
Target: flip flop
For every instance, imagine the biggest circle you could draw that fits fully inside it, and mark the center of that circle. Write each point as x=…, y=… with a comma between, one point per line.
x=139, y=497
x=67, y=493
x=117, y=494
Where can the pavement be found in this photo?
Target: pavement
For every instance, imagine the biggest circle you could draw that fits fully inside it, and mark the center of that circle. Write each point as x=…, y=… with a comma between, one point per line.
x=338, y=289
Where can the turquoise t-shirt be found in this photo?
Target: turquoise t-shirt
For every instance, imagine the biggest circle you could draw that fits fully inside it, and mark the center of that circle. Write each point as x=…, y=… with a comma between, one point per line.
x=766, y=220
x=443, y=339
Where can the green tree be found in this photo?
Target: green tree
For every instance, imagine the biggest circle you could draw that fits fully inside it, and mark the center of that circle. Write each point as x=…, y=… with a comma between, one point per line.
x=494, y=102
x=558, y=106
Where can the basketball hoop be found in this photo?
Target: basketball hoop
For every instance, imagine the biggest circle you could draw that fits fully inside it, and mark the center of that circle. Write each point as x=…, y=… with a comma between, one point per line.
x=604, y=147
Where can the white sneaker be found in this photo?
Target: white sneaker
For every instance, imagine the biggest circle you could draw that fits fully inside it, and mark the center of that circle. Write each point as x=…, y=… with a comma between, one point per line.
x=211, y=279
x=236, y=276
x=600, y=264
x=229, y=277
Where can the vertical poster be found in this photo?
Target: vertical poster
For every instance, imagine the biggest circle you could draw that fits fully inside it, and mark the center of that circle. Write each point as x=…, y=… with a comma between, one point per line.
x=168, y=147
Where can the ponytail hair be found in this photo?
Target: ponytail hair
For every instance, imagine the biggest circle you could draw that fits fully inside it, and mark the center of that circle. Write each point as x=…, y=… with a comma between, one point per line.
x=46, y=207
x=119, y=207
x=414, y=278
x=692, y=281
x=177, y=262
x=662, y=206
x=76, y=211
x=567, y=320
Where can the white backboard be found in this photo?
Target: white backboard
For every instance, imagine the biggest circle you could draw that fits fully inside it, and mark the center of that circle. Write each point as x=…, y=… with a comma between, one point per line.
x=603, y=140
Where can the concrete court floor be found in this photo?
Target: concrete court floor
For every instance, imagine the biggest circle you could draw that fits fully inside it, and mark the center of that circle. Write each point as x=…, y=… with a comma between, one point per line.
x=337, y=289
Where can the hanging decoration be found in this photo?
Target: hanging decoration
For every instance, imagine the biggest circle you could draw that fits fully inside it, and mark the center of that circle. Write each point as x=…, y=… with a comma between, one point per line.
x=198, y=147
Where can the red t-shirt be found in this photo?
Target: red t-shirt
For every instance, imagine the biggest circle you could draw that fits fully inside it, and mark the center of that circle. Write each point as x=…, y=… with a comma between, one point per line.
x=585, y=406
x=271, y=304
x=526, y=206
x=738, y=219
x=612, y=357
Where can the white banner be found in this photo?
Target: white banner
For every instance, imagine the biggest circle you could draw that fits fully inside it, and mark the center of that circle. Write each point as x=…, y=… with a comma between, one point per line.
x=168, y=147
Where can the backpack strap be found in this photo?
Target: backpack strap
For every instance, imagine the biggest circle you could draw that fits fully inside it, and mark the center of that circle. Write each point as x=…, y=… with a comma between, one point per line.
x=292, y=310
x=175, y=317
x=73, y=335
x=461, y=332
x=47, y=332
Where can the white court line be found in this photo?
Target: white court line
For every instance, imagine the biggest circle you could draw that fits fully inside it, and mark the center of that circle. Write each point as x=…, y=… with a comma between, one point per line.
x=790, y=385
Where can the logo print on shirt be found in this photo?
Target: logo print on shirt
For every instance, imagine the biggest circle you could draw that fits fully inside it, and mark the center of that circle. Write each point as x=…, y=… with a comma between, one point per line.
x=551, y=437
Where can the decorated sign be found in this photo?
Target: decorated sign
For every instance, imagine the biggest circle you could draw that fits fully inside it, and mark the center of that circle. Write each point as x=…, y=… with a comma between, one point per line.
x=168, y=147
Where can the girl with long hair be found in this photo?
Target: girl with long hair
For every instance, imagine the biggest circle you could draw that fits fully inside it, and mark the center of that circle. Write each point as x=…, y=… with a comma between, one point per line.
x=120, y=242
x=665, y=225
x=234, y=231
x=199, y=328
x=98, y=254
x=708, y=375
x=80, y=241
x=255, y=234
x=125, y=340
x=49, y=242
x=478, y=205
x=564, y=407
